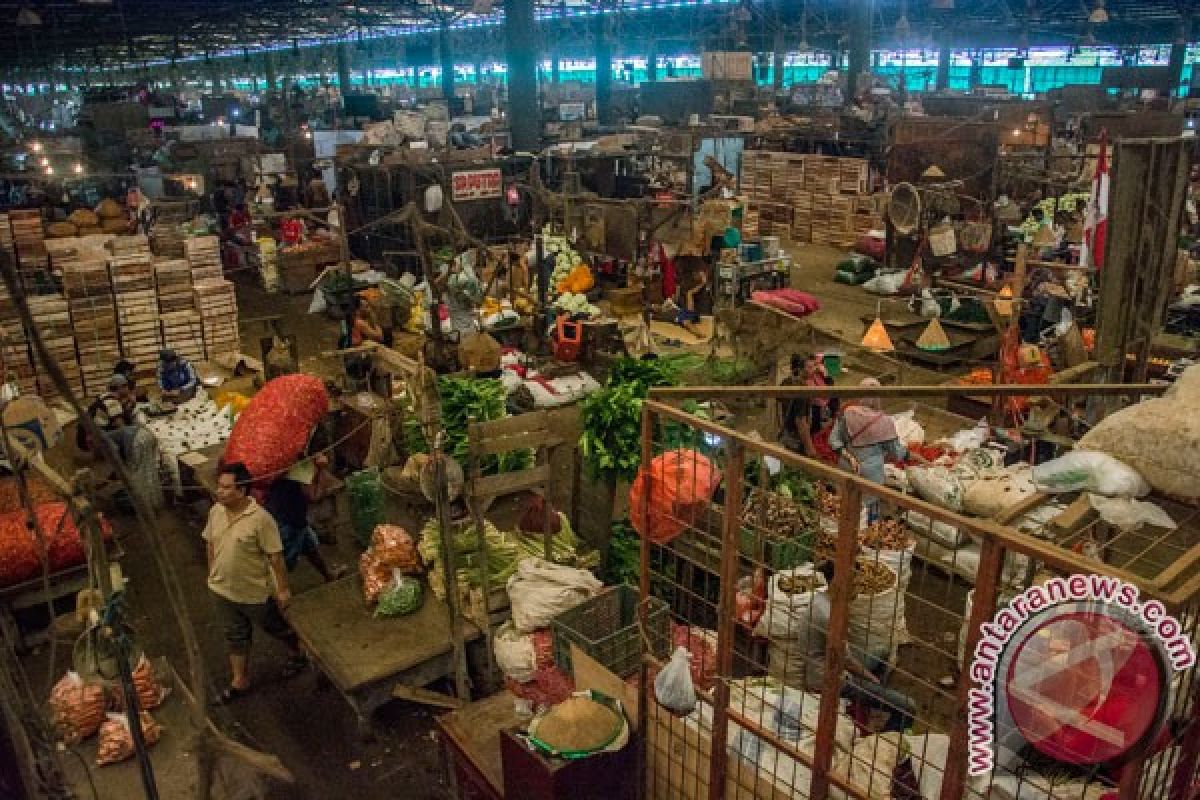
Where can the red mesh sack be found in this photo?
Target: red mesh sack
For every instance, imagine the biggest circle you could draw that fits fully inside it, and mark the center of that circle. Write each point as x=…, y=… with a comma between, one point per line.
x=270, y=434
x=671, y=494
x=20, y=553
x=793, y=301
x=116, y=740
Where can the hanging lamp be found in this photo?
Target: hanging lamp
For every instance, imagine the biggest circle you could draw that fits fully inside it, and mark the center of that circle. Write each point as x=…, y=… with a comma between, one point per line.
x=876, y=338
x=934, y=337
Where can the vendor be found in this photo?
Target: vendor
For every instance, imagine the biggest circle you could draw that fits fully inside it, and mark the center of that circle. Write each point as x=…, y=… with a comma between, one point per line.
x=126, y=369
x=360, y=326
x=801, y=417
x=176, y=377
x=116, y=415
x=462, y=292
x=691, y=283
x=864, y=438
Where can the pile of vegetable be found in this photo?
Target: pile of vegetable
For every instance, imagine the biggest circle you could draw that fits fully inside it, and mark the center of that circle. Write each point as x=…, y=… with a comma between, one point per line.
x=403, y=596
x=576, y=304
x=565, y=261
x=463, y=399
x=775, y=515
x=612, y=417
x=886, y=534
x=504, y=551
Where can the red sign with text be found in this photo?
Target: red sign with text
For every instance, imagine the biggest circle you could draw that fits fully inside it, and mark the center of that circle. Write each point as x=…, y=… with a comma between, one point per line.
x=476, y=184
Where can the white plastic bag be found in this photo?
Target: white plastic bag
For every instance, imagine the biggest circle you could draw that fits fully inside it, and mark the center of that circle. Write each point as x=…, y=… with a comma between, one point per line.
x=969, y=438
x=673, y=686
x=515, y=655
x=908, y=430
x=947, y=536
x=1081, y=470
x=539, y=591
x=1129, y=514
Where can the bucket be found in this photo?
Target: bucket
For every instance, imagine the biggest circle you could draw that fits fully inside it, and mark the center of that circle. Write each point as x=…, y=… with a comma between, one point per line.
x=833, y=364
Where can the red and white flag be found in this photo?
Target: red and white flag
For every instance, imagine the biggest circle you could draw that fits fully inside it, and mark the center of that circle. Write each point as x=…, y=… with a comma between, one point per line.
x=1095, y=226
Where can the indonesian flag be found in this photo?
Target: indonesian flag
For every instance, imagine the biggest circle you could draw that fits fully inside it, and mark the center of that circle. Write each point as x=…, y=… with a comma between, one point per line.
x=1095, y=226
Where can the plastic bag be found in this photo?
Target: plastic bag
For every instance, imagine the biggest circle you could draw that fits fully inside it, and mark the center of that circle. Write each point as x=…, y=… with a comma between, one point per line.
x=515, y=654
x=908, y=430
x=116, y=740
x=402, y=596
x=671, y=493
x=539, y=591
x=673, y=687
x=150, y=692
x=1129, y=514
x=886, y=283
x=1081, y=470
x=394, y=548
x=77, y=707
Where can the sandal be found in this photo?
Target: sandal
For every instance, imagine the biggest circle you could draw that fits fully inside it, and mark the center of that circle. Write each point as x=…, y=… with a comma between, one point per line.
x=229, y=694
x=294, y=666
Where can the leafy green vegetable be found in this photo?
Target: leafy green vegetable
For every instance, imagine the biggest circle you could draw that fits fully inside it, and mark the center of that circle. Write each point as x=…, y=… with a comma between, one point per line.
x=404, y=596
x=611, y=443
x=624, y=564
x=461, y=400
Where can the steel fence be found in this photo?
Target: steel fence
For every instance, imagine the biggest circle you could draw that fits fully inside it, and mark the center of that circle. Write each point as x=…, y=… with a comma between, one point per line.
x=827, y=641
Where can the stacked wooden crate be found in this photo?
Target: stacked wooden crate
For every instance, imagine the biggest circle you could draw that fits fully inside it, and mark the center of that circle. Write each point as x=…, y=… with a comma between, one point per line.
x=30, y=241
x=204, y=255
x=52, y=319
x=183, y=332
x=173, y=282
x=14, y=347
x=83, y=263
x=132, y=271
x=6, y=238
x=827, y=195
x=168, y=236
x=218, y=311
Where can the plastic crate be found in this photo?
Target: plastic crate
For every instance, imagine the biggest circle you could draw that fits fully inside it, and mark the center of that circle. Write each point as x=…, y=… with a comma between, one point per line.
x=606, y=628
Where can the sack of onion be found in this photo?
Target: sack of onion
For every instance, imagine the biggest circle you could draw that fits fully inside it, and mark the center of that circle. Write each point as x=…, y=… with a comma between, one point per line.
x=116, y=739
x=77, y=707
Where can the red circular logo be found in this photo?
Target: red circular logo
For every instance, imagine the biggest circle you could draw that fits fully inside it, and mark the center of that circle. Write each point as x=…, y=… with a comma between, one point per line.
x=1084, y=688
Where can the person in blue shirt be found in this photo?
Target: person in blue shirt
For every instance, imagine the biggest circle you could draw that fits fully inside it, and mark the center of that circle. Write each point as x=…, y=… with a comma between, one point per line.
x=176, y=377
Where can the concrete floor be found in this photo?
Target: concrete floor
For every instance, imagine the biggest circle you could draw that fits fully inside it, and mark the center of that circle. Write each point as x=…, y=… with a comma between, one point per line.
x=312, y=729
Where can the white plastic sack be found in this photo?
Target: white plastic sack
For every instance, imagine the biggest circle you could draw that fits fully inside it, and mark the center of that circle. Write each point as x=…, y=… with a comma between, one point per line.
x=927, y=755
x=539, y=591
x=1081, y=470
x=938, y=485
x=908, y=430
x=1033, y=786
x=946, y=535
x=870, y=765
x=874, y=629
x=515, y=655
x=886, y=283
x=787, y=614
x=970, y=438
x=673, y=688
x=994, y=492
x=1129, y=514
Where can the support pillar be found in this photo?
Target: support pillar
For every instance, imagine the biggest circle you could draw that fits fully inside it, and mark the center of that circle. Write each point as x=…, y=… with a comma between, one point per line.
x=943, y=68
x=269, y=71
x=343, y=70
x=603, y=70
x=520, y=34
x=1175, y=64
x=778, y=52
x=555, y=67
x=446, y=58
x=860, y=48
x=652, y=62
x=975, y=77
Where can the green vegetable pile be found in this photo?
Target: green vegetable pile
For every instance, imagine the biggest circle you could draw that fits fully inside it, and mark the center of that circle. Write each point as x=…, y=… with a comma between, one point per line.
x=403, y=596
x=504, y=551
x=624, y=564
x=462, y=399
x=612, y=417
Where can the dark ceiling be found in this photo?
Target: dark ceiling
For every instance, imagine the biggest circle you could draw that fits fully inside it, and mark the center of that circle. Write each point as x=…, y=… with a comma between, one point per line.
x=87, y=33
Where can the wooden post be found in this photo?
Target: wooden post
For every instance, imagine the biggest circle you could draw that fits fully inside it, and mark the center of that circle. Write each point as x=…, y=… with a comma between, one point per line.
x=485, y=588
x=731, y=524
x=441, y=502
x=983, y=607
x=644, y=598
x=840, y=592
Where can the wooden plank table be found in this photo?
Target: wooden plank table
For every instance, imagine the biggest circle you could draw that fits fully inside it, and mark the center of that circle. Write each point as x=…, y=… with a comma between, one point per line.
x=471, y=746
x=367, y=657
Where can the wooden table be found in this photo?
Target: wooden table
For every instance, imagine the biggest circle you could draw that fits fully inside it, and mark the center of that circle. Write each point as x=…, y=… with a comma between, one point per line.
x=471, y=746
x=370, y=659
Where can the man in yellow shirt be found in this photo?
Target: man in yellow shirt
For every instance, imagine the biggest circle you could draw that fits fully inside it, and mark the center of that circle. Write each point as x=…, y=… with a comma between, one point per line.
x=247, y=576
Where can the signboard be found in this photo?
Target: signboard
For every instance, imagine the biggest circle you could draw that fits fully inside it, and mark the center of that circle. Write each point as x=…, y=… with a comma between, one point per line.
x=476, y=184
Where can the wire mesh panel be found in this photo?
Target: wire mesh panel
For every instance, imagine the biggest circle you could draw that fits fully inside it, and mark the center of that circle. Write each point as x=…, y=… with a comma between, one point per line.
x=832, y=622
